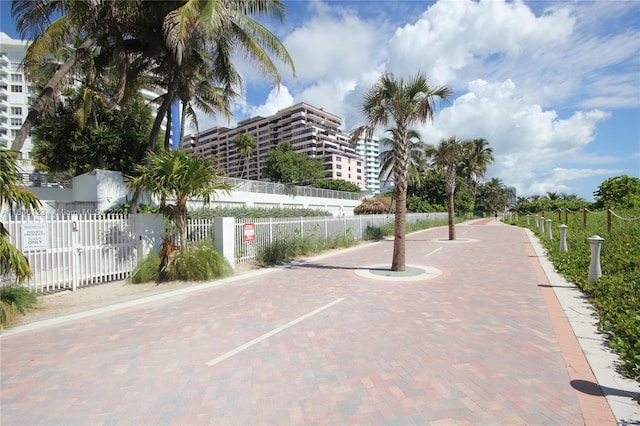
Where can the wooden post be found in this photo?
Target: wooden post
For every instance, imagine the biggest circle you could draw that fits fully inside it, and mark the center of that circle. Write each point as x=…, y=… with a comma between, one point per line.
x=609, y=219
x=584, y=217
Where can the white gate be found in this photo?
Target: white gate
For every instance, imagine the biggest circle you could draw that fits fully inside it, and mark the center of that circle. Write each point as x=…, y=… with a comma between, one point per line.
x=67, y=251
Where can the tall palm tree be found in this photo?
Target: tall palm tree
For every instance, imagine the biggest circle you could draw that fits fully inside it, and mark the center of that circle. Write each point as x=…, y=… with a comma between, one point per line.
x=52, y=24
x=416, y=157
x=475, y=165
x=245, y=144
x=399, y=103
x=450, y=155
x=180, y=176
x=13, y=194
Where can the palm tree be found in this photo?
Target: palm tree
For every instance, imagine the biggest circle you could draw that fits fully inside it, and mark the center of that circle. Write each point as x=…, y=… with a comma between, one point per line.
x=450, y=155
x=13, y=194
x=416, y=157
x=475, y=165
x=180, y=176
x=399, y=103
x=53, y=24
x=246, y=146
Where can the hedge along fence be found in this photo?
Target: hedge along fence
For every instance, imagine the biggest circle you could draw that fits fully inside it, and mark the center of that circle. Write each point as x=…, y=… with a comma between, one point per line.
x=616, y=294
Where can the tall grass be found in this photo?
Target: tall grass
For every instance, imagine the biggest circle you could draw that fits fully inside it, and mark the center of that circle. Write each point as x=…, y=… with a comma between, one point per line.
x=201, y=262
x=615, y=295
x=14, y=300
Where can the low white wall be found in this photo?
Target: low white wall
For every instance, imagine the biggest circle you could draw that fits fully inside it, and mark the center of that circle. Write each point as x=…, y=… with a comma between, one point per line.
x=106, y=189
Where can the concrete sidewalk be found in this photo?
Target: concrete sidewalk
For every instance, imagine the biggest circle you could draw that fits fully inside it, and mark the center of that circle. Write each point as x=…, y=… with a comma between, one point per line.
x=474, y=334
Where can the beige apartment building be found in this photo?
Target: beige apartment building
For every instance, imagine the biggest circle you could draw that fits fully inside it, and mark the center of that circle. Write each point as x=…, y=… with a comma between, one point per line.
x=311, y=130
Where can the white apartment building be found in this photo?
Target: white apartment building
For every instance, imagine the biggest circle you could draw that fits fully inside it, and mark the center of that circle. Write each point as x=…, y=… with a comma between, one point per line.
x=16, y=94
x=369, y=150
x=311, y=130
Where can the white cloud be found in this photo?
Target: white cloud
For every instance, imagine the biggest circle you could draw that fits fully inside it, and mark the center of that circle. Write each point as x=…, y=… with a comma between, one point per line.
x=340, y=46
x=276, y=100
x=527, y=140
x=453, y=35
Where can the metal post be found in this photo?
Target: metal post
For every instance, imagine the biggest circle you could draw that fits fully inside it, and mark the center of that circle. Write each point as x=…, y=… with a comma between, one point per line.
x=563, y=238
x=594, y=267
x=549, y=236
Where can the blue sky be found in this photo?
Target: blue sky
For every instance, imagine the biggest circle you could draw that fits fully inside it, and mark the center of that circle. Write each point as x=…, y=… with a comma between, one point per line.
x=554, y=87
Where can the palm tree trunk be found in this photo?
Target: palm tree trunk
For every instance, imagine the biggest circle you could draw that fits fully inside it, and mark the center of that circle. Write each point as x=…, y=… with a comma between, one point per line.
x=400, y=172
x=48, y=93
x=151, y=144
x=398, y=261
x=451, y=216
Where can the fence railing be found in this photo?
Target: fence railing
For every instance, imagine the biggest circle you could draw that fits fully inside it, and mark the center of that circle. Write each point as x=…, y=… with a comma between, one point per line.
x=291, y=190
x=266, y=230
x=67, y=251
x=564, y=214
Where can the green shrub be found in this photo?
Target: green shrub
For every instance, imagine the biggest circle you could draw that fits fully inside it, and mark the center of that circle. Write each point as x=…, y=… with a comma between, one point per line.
x=290, y=247
x=616, y=295
x=15, y=299
x=254, y=213
x=147, y=269
x=200, y=263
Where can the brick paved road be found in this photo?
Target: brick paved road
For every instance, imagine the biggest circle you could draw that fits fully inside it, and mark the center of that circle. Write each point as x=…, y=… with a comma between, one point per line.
x=315, y=343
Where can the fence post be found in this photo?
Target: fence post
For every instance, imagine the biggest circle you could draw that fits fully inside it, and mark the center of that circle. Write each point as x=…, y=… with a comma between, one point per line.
x=224, y=231
x=584, y=217
x=566, y=215
x=609, y=219
x=594, y=266
x=563, y=238
x=75, y=251
x=549, y=236
x=559, y=215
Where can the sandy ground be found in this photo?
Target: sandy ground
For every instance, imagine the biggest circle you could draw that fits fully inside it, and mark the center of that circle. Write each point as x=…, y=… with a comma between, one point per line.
x=99, y=295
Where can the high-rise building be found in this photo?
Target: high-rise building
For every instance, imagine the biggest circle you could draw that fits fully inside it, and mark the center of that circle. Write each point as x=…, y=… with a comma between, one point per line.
x=16, y=93
x=311, y=130
x=369, y=150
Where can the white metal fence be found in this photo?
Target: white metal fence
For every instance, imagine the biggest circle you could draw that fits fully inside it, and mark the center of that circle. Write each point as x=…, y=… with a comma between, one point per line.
x=268, y=230
x=69, y=251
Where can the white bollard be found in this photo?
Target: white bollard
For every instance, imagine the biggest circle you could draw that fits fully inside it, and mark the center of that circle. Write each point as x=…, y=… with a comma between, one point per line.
x=594, y=267
x=528, y=222
x=563, y=238
x=536, y=220
x=549, y=236
x=541, y=227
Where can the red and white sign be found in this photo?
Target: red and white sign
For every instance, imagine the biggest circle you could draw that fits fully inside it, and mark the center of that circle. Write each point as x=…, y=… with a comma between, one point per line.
x=249, y=232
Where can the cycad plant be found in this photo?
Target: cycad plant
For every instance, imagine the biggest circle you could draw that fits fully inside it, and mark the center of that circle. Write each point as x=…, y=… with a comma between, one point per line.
x=179, y=176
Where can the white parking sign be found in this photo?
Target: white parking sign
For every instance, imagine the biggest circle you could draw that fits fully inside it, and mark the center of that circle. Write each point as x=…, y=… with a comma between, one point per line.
x=35, y=237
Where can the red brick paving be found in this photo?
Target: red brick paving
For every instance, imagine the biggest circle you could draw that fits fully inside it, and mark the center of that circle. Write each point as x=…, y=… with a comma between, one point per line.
x=476, y=345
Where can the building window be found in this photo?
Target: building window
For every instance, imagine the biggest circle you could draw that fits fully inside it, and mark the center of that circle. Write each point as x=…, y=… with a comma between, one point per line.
x=339, y=159
x=16, y=110
x=339, y=174
x=16, y=89
x=338, y=166
x=16, y=121
x=17, y=78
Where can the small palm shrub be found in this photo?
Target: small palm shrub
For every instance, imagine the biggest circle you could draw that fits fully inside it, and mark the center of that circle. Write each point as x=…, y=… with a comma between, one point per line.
x=15, y=299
